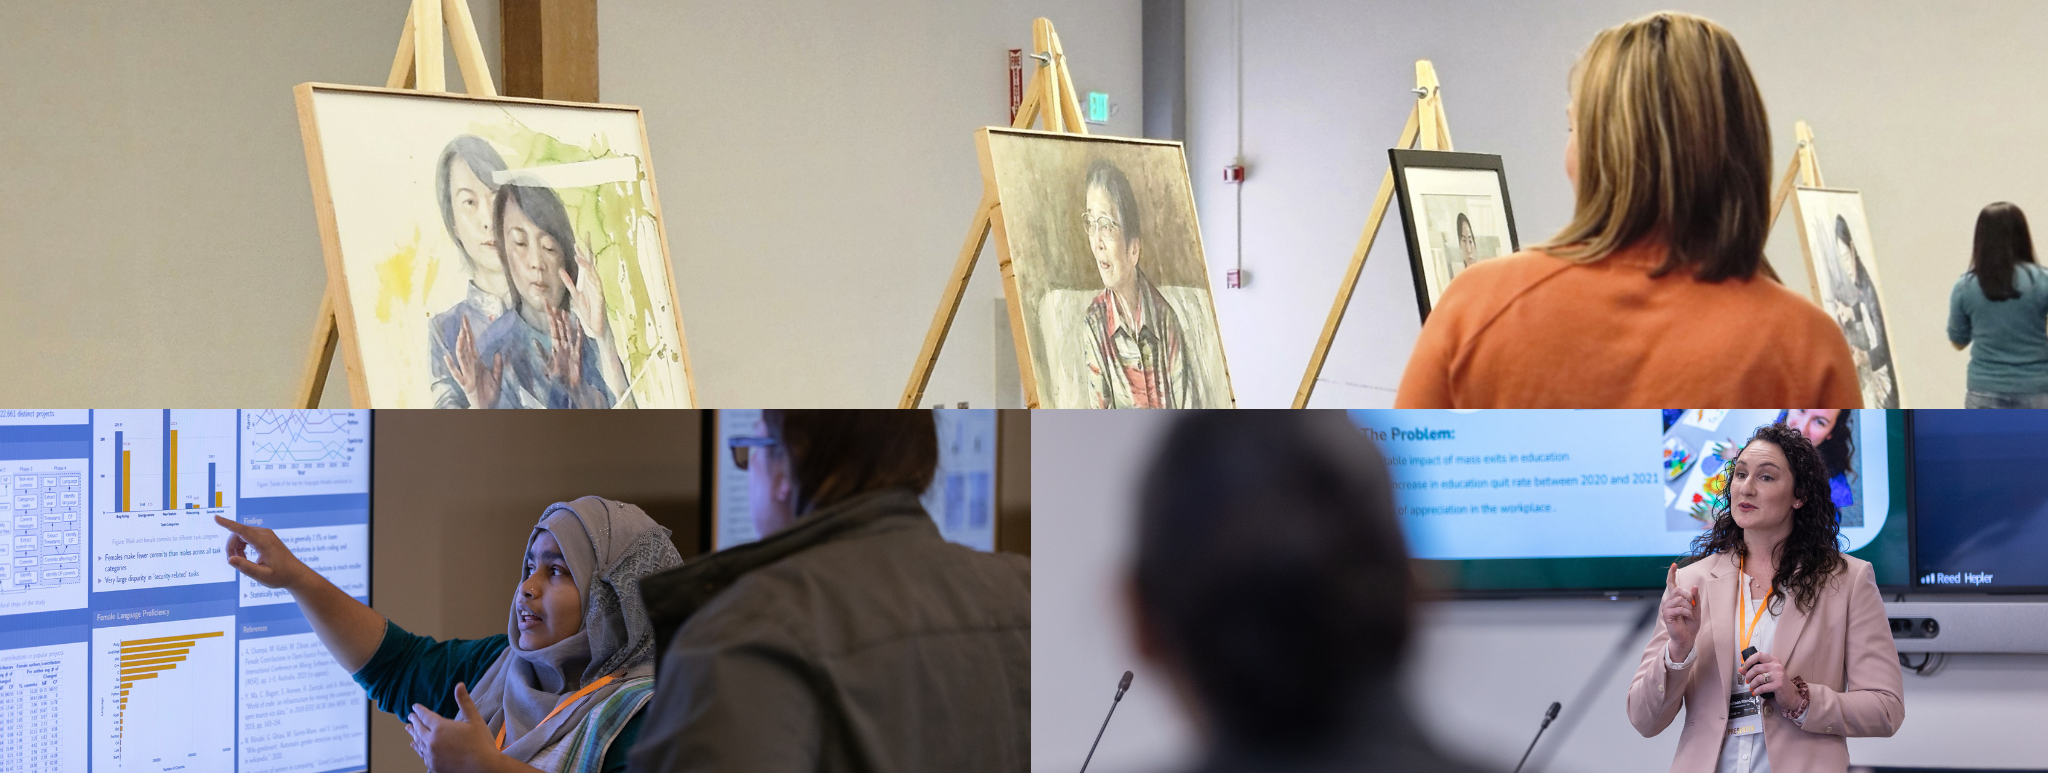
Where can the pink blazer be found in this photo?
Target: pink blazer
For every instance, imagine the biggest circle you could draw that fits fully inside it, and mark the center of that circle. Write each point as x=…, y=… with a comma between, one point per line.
x=1843, y=649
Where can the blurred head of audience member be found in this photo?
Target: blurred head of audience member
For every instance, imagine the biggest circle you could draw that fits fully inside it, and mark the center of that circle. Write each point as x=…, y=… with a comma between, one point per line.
x=1272, y=583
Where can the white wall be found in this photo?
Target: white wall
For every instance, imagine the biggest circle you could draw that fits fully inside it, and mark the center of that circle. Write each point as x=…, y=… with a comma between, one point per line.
x=160, y=241
x=818, y=172
x=1481, y=673
x=1926, y=107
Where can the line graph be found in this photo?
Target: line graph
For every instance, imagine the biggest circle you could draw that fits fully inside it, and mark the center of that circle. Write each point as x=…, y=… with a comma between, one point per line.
x=304, y=452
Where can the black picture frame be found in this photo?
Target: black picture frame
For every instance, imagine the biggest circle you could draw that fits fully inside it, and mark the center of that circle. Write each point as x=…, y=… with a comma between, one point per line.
x=1402, y=161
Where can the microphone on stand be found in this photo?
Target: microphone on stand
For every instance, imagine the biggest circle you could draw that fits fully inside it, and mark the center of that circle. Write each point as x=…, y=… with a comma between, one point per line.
x=1547, y=716
x=1120, y=688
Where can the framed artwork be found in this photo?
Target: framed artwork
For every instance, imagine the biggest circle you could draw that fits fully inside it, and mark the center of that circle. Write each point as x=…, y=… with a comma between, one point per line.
x=1455, y=209
x=1843, y=274
x=1109, y=294
x=487, y=252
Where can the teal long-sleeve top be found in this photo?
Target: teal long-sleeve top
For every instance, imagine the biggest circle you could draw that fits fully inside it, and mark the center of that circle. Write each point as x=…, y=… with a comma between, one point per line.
x=2009, y=338
x=409, y=669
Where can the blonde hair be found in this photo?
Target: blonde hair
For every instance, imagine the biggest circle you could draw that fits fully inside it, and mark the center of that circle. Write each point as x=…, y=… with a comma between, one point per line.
x=1673, y=146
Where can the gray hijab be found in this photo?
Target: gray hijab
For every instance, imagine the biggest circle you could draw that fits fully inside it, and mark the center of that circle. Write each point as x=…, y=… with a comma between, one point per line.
x=609, y=546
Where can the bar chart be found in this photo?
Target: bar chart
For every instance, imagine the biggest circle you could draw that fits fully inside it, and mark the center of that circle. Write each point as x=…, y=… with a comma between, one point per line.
x=160, y=690
x=164, y=460
x=159, y=477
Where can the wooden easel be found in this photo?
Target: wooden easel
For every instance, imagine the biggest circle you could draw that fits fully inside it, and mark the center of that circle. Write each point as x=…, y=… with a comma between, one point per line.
x=1427, y=129
x=419, y=65
x=1804, y=172
x=1051, y=97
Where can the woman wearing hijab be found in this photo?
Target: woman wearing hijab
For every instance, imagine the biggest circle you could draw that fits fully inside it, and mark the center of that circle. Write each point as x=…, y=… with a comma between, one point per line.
x=560, y=691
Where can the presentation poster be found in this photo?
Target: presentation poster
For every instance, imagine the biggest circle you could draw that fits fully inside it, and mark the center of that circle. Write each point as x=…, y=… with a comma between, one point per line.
x=961, y=499
x=1480, y=485
x=131, y=646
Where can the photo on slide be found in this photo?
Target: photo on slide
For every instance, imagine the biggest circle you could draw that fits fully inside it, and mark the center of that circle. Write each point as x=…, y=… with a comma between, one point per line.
x=1710, y=440
x=1843, y=271
x=1455, y=209
x=1113, y=301
x=493, y=253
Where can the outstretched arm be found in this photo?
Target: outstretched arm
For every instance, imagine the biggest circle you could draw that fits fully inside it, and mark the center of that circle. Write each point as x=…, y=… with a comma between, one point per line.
x=350, y=629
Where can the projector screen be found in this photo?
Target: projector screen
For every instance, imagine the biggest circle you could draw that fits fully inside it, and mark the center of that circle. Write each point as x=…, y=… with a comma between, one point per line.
x=1592, y=501
x=130, y=644
x=961, y=499
x=1980, y=510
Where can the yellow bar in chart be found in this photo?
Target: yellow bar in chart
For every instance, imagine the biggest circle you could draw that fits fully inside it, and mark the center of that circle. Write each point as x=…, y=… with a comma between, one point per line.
x=127, y=466
x=171, y=474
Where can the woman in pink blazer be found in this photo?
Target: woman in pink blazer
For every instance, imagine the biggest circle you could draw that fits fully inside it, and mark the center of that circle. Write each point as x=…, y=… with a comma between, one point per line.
x=1768, y=575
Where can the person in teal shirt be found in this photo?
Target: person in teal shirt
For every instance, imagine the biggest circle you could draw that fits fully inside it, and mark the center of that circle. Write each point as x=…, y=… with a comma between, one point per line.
x=561, y=691
x=1999, y=310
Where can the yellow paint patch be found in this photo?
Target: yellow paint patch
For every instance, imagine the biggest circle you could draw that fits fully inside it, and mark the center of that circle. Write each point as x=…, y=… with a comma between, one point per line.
x=394, y=277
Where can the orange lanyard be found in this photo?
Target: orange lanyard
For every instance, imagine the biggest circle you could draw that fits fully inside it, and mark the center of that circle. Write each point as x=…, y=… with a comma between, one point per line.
x=566, y=702
x=1747, y=631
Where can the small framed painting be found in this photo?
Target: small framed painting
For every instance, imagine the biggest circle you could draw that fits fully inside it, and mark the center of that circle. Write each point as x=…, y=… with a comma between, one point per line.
x=1456, y=211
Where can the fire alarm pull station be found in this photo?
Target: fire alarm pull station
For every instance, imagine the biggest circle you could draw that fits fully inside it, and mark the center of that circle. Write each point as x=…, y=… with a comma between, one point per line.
x=1233, y=173
x=1234, y=278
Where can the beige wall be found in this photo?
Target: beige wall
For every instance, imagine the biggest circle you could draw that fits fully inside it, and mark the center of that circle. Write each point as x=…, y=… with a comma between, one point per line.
x=818, y=173
x=816, y=162
x=160, y=246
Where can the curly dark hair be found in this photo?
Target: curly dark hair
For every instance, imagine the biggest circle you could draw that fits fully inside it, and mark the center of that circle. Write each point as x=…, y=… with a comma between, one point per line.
x=1810, y=554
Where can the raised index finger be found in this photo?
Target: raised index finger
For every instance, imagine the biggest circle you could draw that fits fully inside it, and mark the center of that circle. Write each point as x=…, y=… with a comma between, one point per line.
x=1671, y=576
x=245, y=532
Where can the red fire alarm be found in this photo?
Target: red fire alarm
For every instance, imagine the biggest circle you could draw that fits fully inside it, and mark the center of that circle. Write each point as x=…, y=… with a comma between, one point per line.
x=1233, y=173
x=1234, y=278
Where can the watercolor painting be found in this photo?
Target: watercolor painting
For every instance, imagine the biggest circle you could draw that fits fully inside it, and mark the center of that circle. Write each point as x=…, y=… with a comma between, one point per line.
x=495, y=253
x=1101, y=238
x=1840, y=263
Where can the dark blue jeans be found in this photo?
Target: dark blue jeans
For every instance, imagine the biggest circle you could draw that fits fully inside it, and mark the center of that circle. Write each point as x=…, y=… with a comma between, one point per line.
x=1976, y=399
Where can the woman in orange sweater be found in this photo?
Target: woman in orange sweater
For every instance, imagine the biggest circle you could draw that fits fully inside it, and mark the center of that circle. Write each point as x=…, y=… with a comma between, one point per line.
x=1650, y=297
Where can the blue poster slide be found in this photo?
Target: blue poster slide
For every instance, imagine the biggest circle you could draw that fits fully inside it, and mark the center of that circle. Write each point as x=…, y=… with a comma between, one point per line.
x=1527, y=484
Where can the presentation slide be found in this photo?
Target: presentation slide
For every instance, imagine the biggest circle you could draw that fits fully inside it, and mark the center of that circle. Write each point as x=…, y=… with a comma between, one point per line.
x=42, y=708
x=300, y=710
x=302, y=453
x=160, y=478
x=961, y=499
x=1981, y=513
x=159, y=692
x=1575, y=484
x=126, y=641
x=43, y=567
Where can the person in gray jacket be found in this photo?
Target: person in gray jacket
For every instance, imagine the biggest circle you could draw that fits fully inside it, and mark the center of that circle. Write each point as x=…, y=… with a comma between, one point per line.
x=851, y=637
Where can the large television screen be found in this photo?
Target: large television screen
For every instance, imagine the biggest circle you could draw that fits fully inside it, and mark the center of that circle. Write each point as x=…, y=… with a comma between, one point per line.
x=1508, y=502
x=1980, y=509
x=961, y=499
x=127, y=643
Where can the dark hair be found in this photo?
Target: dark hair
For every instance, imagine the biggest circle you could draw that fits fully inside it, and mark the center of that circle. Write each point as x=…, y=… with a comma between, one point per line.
x=1105, y=175
x=1465, y=226
x=482, y=160
x=545, y=209
x=1838, y=449
x=1810, y=555
x=835, y=455
x=1271, y=567
x=2003, y=242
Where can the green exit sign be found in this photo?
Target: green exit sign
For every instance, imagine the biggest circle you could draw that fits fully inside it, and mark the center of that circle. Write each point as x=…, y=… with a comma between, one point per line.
x=1098, y=107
